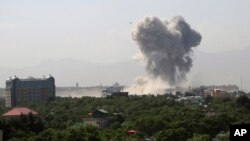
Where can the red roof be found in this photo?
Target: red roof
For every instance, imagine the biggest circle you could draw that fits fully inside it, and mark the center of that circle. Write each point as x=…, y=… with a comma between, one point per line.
x=132, y=132
x=19, y=111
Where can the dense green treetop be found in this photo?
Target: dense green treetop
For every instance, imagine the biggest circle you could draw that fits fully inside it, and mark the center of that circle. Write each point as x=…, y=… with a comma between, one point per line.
x=158, y=117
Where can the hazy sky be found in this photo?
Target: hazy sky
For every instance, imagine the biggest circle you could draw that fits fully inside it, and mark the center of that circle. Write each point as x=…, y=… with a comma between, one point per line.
x=100, y=31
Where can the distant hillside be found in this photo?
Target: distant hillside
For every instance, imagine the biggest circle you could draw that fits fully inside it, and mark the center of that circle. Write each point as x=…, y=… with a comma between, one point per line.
x=208, y=68
x=68, y=71
x=221, y=68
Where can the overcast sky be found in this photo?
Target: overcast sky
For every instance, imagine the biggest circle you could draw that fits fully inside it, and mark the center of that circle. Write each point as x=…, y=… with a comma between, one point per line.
x=100, y=31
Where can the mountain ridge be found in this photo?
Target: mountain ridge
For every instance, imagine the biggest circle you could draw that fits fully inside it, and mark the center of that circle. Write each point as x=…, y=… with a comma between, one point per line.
x=208, y=68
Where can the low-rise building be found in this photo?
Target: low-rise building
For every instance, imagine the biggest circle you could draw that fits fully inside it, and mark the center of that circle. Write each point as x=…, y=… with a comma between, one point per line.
x=192, y=99
x=217, y=93
x=99, y=118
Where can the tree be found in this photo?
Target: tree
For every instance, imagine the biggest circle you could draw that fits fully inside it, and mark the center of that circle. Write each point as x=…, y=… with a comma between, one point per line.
x=243, y=101
x=150, y=125
x=203, y=137
x=178, y=134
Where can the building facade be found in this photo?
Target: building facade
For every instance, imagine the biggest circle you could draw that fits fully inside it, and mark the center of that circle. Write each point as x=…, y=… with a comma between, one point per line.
x=31, y=90
x=99, y=118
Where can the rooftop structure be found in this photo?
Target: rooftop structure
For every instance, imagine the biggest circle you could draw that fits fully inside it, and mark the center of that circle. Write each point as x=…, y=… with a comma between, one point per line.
x=98, y=118
x=100, y=113
x=19, y=111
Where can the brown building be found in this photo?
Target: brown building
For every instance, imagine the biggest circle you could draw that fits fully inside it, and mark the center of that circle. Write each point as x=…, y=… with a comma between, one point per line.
x=217, y=93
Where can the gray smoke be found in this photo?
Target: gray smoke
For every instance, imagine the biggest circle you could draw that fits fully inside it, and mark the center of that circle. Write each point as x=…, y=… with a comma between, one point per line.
x=166, y=47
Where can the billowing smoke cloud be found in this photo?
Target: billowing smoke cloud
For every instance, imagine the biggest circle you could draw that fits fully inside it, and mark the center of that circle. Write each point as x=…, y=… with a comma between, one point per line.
x=166, y=47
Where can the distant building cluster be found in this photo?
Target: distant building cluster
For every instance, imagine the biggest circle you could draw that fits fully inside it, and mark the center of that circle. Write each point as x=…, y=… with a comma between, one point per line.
x=204, y=89
x=19, y=92
x=227, y=88
x=31, y=90
x=192, y=99
x=223, y=91
x=197, y=95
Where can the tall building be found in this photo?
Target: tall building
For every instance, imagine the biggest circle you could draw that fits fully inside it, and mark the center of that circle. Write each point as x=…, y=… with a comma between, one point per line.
x=31, y=90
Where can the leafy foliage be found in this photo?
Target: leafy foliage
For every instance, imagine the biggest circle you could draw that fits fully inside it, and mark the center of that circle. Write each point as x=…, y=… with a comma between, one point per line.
x=159, y=117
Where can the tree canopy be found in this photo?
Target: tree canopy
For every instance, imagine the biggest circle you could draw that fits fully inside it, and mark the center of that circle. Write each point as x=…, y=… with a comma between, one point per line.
x=158, y=117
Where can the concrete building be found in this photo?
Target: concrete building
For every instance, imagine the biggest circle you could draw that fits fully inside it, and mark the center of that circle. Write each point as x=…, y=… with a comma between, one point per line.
x=31, y=90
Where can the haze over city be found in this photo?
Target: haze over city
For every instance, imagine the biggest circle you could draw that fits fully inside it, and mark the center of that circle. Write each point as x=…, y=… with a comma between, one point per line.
x=90, y=42
x=134, y=70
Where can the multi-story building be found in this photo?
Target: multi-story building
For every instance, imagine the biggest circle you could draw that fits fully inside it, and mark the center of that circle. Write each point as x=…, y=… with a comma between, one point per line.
x=31, y=90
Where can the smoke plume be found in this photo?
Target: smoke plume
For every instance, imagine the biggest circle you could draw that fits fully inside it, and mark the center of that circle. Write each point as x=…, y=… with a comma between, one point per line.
x=166, y=47
x=147, y=85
